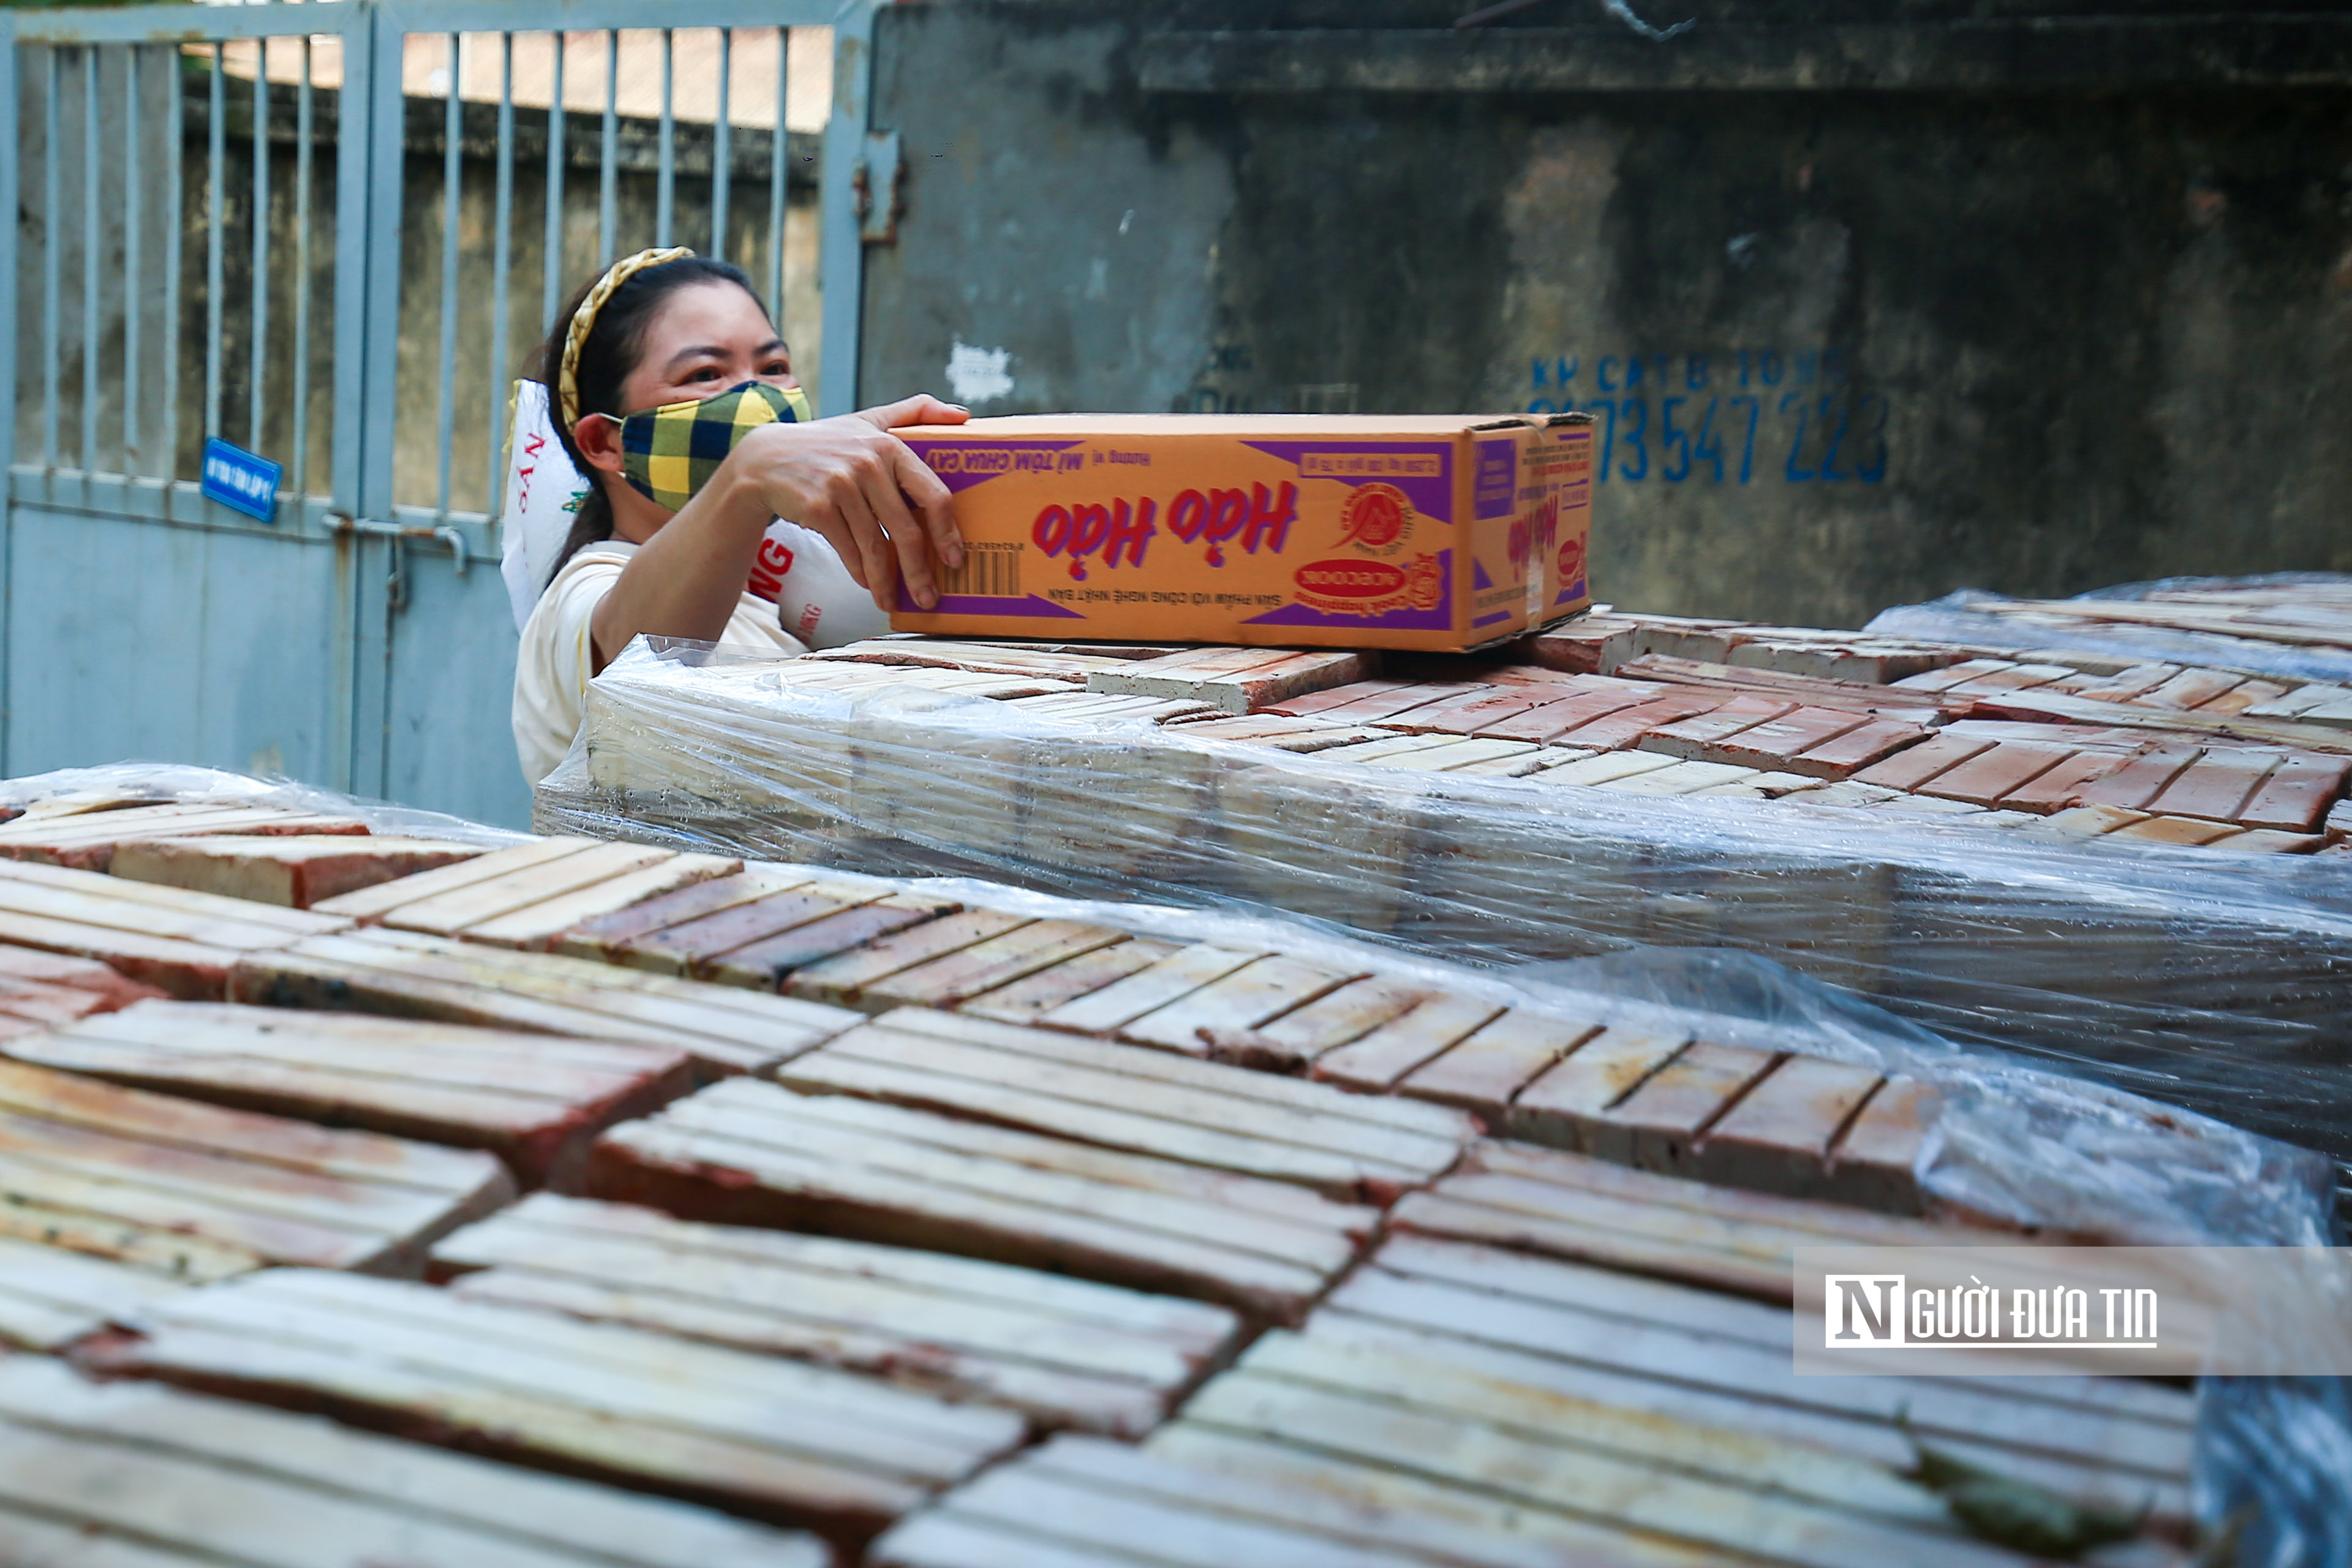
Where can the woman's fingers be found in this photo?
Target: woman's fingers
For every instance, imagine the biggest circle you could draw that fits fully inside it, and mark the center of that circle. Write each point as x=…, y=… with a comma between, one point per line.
x=929, y=494
x=920, y=409
x=856, y=514
x=914, y=553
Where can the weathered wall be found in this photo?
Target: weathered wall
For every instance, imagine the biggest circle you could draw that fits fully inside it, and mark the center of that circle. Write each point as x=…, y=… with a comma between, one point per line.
x=1850, y=347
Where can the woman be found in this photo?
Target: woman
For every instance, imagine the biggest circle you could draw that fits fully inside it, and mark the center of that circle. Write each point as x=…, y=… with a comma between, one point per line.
x=680, y=495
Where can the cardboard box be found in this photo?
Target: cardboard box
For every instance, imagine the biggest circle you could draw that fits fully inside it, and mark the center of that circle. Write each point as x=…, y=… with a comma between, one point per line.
x=1399, y=532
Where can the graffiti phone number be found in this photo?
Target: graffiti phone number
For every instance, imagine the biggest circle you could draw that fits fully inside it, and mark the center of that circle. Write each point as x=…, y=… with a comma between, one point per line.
x=1725, y=419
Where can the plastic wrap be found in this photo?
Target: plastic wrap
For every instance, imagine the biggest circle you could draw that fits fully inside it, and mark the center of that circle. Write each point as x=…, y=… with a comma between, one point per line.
x=1984, y=620
x=158, y=783
x=2219, y=983
x=2273, y=1456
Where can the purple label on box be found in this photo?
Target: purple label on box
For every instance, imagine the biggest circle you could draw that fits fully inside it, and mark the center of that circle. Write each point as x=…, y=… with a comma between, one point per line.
x=1496, y=476
x=963, y=464
x=1425, y=473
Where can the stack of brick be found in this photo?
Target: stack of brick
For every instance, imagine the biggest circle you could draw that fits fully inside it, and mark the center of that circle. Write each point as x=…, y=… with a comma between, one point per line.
x=1457, y=1282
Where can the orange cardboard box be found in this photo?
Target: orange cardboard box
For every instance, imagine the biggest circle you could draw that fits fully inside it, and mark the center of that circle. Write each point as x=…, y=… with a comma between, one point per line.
x=1398, y=531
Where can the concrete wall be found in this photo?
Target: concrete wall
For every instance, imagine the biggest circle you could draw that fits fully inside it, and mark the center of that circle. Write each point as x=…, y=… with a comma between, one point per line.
x=1989, y=313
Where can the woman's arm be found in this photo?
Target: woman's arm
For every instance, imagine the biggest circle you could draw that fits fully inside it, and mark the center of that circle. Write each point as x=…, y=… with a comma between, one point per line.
x=848, y=479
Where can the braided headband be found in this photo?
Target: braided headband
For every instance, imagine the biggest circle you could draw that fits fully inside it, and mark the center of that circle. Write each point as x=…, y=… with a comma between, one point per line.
x=583, y=322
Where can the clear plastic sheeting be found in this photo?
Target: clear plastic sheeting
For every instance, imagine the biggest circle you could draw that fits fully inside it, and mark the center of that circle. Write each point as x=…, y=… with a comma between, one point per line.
x=2220, y=983
x=160, y=783
x=2273, y=1471
x=2009, y=1141
x=1994, y=621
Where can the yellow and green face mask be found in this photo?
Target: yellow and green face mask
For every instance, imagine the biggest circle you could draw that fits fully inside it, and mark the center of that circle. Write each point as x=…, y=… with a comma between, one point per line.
x=670, y=452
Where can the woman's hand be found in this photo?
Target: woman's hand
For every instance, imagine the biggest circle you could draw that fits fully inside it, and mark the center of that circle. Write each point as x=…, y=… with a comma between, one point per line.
x=864, y=490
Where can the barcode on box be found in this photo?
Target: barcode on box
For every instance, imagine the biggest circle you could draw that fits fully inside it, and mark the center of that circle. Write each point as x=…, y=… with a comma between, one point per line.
x=986, y=573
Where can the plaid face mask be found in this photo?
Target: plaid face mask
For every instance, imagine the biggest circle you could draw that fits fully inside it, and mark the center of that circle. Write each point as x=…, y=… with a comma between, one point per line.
x=670, y=452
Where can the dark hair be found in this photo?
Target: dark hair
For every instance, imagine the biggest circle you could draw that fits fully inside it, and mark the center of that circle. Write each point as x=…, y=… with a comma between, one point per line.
x=611, y=352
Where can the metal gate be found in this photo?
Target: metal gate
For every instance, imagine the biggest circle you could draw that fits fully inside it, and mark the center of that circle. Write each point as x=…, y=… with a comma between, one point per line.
x=281, y=225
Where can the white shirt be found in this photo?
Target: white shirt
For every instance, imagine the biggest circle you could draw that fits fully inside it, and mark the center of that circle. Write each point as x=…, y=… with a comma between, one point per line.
x=556, y=660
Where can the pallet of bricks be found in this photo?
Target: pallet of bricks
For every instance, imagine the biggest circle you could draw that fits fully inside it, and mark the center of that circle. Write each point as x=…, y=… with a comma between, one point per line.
x=2293, y=629
x=580, y=1202
x=2074, y=858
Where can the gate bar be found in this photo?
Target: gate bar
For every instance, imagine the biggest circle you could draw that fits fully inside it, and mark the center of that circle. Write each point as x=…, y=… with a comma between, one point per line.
x=302, y=127
x=666, y=159
x=132, y=303
x=551, y=270
x=451, y=126
x=90, y=270
x=176, y=120
x=501, y=255
x=780, y=166
x=217, y=180
x=52, y=199
x=607, y=173
x=722, y=150
x=258, y=348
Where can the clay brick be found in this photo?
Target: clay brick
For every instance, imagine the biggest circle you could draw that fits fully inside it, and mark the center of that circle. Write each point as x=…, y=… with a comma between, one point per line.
x=2064, y=784
x=2130, y=684
x=2245, y=695
x=2176, y=830
x=1776, y=743
x=1470, y=714
x=1858, y=748
x=1871, y=1166
x=1777, y=1139
x=2092, y=821
x=1627, y=725
x=1690, y=738
x=1591, y=644
x=2142, y=779
x=2298, y=797
x=1557, y=716
x=294, y=871
x=2216, y=785
x=1910, y=769
x=2190, y=688
x=2270, y=841
x=1986, y=777
x=1365, y=701
x=1953, y=675
x=2012, y=678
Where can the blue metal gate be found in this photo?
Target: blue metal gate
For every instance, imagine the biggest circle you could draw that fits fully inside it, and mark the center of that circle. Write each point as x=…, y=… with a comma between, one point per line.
x=230, y=225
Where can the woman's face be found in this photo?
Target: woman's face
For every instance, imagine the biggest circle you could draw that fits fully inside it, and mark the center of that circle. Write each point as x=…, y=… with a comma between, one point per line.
x=704, y=340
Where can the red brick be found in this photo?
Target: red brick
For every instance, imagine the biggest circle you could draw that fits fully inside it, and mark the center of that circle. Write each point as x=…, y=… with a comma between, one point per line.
x=1689, y=737
x=1627, y=725
x=1777, y=742
x=2217, y=785
x=2062, y=785
x=2190, y=688
x=1873, y=742
x=1984, y=778
x=2015, y=677
x=1471, y=712
x=1371, y=701
x=2296, y=798
x=1953, y=675
x=1910, y=770
x=1555, y=718
x=1591, y=646
x=2142, y=779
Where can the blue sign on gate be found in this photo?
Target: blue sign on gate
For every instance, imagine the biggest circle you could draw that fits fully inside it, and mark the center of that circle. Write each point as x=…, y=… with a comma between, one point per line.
x=237, y=477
